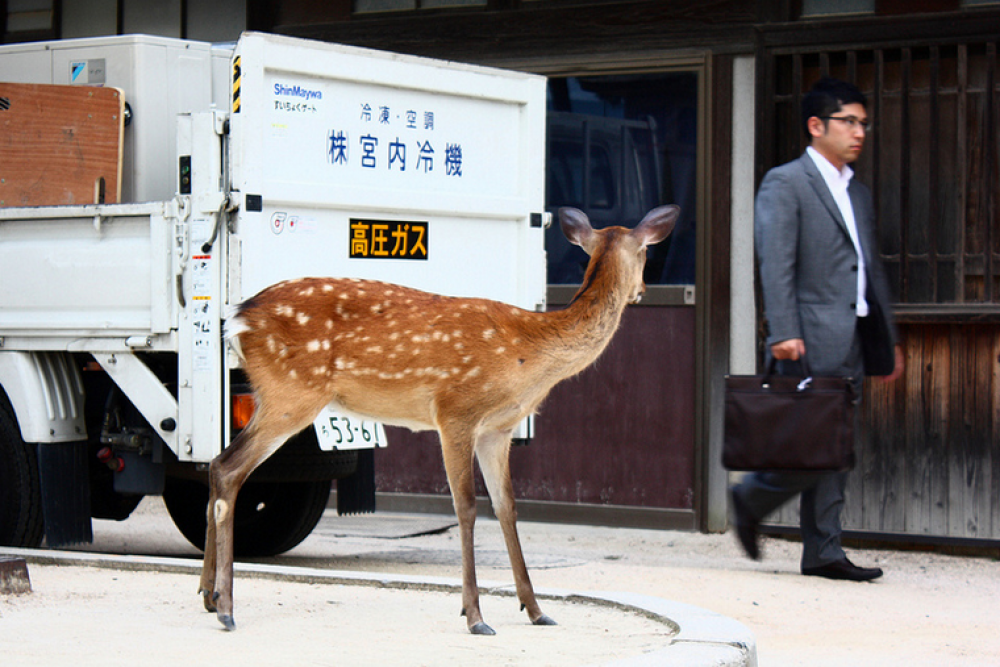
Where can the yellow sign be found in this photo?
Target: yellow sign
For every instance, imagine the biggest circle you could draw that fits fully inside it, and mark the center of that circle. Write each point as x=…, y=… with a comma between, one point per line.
x=388, y=239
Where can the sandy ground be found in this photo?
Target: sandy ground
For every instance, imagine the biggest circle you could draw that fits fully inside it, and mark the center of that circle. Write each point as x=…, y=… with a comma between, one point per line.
x=929, y=609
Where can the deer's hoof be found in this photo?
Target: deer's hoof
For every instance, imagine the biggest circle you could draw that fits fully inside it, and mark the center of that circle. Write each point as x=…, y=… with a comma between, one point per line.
x=207, y=599
x=481, y=628
x=543, y=620
x=227, y=621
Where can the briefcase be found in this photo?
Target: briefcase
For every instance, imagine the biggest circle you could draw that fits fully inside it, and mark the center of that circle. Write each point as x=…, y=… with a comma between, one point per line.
x=789, y=423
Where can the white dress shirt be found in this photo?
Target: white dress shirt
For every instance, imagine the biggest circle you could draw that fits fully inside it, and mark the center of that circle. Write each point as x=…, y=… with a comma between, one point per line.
x=838, y=181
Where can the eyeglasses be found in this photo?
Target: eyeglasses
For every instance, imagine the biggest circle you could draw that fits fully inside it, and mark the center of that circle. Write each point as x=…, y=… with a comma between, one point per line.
x=852, y=122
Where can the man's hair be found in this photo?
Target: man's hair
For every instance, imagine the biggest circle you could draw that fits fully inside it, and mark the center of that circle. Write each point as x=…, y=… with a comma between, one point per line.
x=826, y=98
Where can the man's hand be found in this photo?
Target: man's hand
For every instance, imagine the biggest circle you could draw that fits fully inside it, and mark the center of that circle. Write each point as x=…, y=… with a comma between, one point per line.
x=897, y=370
x=792, y=349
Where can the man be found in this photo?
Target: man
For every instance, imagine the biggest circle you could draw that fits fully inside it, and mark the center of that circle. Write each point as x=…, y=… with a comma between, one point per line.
x=825, y=297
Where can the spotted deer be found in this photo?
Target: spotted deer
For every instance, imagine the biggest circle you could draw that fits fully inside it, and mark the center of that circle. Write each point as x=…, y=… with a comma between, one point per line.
x=471, y=369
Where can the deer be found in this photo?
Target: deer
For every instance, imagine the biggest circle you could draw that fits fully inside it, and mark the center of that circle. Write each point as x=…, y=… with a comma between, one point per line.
x=472, y=369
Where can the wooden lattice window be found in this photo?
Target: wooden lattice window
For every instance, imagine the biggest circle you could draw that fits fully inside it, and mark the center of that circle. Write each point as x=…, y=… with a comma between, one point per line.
x=932, y=161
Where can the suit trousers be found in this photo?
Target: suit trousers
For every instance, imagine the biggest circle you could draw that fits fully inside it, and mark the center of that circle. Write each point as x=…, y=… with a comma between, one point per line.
x=821, y=495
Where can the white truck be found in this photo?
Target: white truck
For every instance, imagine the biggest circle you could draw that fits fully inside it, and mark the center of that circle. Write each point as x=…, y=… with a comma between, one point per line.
x=243, y=165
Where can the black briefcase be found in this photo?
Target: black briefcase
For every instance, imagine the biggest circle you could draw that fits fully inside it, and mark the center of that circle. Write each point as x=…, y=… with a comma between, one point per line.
x=789, y=423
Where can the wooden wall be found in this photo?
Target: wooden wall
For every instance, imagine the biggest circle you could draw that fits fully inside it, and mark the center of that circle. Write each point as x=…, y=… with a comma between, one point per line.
x=929, y=454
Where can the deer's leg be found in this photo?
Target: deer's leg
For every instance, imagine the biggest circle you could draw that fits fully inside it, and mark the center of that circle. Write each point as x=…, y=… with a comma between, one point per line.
x=493, y=452
x=458, y=463
x=227, y=473
x=207, y=585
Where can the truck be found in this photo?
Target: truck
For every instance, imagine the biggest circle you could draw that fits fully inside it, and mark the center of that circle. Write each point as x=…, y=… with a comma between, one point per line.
x=235, y=166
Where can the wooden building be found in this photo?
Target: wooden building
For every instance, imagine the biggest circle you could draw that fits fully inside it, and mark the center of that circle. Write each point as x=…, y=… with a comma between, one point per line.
x=691, y=102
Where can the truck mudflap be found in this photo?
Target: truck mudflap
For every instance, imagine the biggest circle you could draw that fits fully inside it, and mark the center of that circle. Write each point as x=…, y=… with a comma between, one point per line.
x=65, y=484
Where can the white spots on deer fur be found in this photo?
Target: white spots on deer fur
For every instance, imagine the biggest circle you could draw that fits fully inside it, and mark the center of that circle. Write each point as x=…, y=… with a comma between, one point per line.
x=374, y=349
x=292, y=374
x=489, y=333
x=282, y=310
x=328, y=287
x=342, y=364
x=500, y=350
x=302, y=319
x=473, y=372
x=329, y=324
x=467, y=358
x=308, y=291
x=325, y=344
x=320, y=370
x=272, y=344
x=313, y=346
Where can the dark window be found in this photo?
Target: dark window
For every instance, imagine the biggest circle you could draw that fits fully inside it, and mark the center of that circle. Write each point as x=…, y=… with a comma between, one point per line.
x=619, y=146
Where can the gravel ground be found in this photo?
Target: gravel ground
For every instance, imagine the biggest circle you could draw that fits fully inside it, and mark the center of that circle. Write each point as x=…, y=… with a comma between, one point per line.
x=928, y=609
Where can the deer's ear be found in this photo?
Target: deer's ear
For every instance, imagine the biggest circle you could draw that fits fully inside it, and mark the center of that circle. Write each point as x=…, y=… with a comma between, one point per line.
x=576, y=226
x=657, y=224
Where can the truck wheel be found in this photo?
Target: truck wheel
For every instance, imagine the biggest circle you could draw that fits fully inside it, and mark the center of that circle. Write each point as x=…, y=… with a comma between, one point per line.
x=21, y=520
x=271, y=517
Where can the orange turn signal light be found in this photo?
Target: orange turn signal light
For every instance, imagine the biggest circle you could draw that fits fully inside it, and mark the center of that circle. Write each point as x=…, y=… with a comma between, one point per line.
x=243, y=408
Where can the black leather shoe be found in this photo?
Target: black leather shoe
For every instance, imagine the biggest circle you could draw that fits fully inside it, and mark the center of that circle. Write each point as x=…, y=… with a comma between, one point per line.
x=843, y=569
x=746, y=527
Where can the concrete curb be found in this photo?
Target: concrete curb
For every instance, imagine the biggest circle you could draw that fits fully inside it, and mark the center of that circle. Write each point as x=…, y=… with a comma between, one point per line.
x=704, y=638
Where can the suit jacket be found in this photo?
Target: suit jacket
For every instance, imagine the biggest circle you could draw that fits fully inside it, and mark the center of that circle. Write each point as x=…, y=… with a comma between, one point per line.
x=808, y=270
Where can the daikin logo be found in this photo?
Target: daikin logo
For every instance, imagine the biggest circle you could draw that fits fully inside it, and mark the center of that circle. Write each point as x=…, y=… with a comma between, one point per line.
x=282, y=90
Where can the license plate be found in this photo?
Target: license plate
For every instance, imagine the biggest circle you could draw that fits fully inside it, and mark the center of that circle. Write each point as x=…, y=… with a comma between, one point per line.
x=335, y=430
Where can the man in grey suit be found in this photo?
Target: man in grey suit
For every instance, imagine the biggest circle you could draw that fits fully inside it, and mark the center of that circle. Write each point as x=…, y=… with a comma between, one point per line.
x=826, y=298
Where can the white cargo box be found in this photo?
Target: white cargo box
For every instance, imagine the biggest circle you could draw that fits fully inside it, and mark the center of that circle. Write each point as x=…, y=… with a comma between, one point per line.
x=161, y=77
x=360, y=163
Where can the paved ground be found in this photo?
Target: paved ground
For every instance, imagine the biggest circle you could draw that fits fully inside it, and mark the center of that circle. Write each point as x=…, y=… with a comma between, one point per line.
x=929, y=609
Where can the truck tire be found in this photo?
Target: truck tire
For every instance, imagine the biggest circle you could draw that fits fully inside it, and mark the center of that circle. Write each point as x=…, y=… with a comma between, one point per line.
x=271, y=517
x=21, y=520
x=301, y=460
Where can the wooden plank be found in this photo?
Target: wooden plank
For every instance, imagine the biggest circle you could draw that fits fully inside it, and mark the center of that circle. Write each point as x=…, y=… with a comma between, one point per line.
x=994, y=429
x=61, y=145
x=938, y=405
x=14, y=578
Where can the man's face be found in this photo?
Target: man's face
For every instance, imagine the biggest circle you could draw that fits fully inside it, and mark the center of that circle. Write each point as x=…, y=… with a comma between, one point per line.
x=836, y=137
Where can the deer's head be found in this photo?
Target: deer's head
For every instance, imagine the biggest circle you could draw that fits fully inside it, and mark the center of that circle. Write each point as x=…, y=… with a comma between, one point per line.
x=619, y=247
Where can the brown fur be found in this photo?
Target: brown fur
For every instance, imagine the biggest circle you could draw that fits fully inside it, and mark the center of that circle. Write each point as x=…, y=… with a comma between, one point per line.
x=471, y=369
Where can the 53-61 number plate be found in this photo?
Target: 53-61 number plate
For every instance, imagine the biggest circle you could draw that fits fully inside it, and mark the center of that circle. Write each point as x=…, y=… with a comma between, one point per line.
x=338, y=431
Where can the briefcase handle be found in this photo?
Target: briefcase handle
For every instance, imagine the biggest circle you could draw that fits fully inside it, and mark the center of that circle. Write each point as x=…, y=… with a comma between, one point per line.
x=772, y=368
